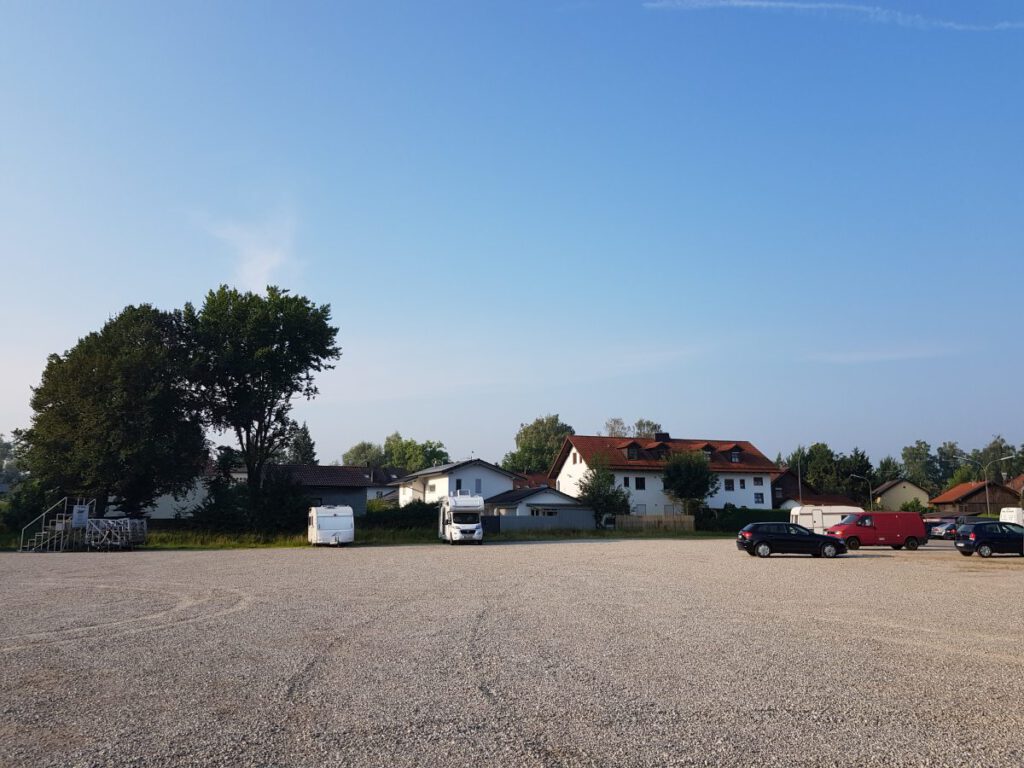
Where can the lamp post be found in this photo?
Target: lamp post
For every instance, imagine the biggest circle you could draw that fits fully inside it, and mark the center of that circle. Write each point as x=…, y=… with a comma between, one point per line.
x=871, y=504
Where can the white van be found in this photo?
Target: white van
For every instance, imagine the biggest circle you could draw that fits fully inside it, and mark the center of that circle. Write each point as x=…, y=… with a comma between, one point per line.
x=458, y=518
x=1012, y=515
x=331, y=525
x=818, y=518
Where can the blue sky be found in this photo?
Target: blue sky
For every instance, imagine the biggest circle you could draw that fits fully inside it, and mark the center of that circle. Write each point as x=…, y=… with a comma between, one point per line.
x=775, y=221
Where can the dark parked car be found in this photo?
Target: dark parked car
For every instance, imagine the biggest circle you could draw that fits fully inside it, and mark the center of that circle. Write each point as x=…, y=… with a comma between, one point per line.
x=764, y=539
x=990, y=538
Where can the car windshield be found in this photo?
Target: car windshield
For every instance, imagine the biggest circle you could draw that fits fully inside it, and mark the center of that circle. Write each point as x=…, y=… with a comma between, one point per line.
x=848, y=520
x=466, y=518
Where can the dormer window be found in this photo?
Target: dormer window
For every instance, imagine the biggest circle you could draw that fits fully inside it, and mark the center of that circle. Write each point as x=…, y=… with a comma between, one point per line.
x=734, y=456
x=707, y=452
x=632, y=452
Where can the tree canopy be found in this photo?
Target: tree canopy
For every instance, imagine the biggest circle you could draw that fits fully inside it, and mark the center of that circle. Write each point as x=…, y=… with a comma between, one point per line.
x=598, y=491
x=364, y=454
x=301, y=448
x=537, y=444
x=115, y=417
x=642, y=428
x=251, y=355
x=688, y=478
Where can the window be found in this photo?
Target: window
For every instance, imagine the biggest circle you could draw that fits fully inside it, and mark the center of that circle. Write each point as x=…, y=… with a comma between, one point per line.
x=759, y=498
x=734, y=457
x=430, y=487
x=574, y=457
x=743, y=484
x=640, y=484
x=730, y=485
x=758, y=482
x=625, y=481
x=632, y=452
x=477, y=485
x=640, y=509
x=558, y=485
x=707, y=454
x=458, y=484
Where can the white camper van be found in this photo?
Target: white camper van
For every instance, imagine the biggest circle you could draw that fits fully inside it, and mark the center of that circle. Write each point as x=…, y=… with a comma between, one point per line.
x=331, y=525
x=459, y=518
x=818, y=518
x=1012, y=515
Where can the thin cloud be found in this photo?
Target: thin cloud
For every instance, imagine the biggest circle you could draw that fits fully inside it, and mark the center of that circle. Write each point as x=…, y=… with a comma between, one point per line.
x=873, y=13
x=261, y=249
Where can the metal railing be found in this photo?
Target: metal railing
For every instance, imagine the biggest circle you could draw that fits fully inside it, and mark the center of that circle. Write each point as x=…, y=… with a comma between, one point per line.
x=37, y=537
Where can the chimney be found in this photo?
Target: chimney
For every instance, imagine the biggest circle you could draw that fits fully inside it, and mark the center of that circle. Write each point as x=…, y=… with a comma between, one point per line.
x=662, y=437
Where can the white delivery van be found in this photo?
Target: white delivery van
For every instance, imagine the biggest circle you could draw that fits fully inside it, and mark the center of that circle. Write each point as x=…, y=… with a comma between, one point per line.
x=1012, y=515
x=459, y=518
x=818, y=518
x=331, y=525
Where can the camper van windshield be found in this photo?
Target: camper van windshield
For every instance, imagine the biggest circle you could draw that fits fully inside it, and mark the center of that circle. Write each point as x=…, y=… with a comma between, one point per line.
x=849, y=520
x=466, y=518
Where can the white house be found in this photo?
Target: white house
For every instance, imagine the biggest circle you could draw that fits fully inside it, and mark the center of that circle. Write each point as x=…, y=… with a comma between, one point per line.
x=530, y=502
x=639, y=463
x=474, y=475
x=381, y=479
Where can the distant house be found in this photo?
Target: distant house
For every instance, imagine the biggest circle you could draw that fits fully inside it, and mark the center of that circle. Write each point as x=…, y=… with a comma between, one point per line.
x=531, y=480
x=1016, y=484
x=638, y=465
x=473, y=475
x=895, y=493
x=331, y=485
x=530, y=502
x=789, y=490
x=970, y=499
x=380, y=482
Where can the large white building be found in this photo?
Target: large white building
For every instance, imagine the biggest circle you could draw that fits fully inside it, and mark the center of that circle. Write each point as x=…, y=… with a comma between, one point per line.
x=639, y=463
x=475, y=476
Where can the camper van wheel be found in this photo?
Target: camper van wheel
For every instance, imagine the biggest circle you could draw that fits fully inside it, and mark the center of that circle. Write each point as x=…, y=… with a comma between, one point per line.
x=762, y=549
x=853, y=543
x=912, y=544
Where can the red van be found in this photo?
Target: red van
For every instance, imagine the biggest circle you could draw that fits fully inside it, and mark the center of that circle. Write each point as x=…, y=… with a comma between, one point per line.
x=893, y=529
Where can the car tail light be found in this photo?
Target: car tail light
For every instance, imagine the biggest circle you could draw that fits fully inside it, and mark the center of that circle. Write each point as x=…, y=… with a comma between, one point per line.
x=971, y=537
x=746, y=534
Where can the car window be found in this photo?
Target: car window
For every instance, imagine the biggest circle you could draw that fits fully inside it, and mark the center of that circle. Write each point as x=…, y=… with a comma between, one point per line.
x=867, y=522
x=796, y=530
x=775, y=528
x=1014, y=528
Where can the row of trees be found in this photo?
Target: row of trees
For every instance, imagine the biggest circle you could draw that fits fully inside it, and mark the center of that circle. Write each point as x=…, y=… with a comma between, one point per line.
x=835, y=472
x=399, y=452
x=123, y=415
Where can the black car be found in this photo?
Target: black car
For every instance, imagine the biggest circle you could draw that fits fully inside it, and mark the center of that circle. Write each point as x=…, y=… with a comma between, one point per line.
x=990, y=538
x=764, y=539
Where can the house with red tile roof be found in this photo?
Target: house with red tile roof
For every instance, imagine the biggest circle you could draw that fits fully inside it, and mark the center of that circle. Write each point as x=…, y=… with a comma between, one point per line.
x=1016, y=484
x=972, y=499
x=639, y=463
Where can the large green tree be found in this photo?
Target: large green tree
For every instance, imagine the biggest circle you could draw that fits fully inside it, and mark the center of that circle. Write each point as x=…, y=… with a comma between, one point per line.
x=115, y=416
x=364, y=454
x=301, y=448
x=412, y=456
x=599, y=492
x=920, y=466
x=537, y=444
x=888, y=469
x=688, y=479
x=641, y=428
x=856, y=476
x=820, y=469
x=252, y=355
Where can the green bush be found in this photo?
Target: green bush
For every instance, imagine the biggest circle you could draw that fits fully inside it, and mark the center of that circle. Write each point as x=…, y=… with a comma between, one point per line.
x=414, y=515
x=280, y=507
x=732, y=519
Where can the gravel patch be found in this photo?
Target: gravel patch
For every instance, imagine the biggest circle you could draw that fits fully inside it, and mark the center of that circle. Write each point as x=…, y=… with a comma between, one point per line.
x=585, y=653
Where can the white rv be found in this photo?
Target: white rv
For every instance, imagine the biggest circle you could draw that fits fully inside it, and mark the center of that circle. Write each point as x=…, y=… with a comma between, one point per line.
x=331, y=525
x=459, y=518
x=818, y=518
x=1012, y=515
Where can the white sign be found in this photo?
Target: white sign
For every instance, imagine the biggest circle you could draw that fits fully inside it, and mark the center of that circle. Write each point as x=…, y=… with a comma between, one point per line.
x=80, y=516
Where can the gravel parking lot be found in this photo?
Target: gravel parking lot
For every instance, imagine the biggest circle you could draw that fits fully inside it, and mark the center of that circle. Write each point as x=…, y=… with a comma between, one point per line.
x=661, y=652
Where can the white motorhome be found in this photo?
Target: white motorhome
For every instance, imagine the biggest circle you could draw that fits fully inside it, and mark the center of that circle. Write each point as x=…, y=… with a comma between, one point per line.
x=331, y=525
x=459, y=518
x=818, y=518
x=1012, y=515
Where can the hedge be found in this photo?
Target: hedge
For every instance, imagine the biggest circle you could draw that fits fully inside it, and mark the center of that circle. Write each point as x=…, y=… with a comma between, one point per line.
x=731, y=520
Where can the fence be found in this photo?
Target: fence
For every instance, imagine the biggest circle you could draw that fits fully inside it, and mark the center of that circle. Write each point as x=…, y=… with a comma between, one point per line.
x=654, y=522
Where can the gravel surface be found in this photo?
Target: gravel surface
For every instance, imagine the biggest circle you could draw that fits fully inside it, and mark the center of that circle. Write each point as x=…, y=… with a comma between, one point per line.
x=618, y=653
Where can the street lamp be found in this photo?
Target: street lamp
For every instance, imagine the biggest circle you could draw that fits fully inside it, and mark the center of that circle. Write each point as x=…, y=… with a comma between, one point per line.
x=870, y=500
x=984, y=471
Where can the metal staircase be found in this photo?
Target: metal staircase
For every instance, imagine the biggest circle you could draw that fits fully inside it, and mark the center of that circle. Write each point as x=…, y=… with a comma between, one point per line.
x=50, y=532
x=54, y=530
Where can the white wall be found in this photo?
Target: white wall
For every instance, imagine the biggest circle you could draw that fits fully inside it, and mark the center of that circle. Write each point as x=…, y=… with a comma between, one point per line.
x=569, y=476
x=743, y=497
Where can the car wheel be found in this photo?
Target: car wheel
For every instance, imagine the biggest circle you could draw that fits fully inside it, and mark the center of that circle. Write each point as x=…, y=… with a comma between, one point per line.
x=853, y=543
x=985, y=550
x=912, y=544
x=763, y=549
x=829, y=550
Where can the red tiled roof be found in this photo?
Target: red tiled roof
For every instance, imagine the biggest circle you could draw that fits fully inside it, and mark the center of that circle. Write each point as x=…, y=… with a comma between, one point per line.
x=612, y=451
x=1017, y=484
x=957, y=493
